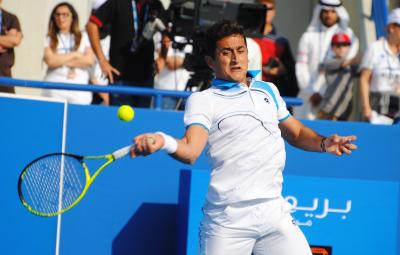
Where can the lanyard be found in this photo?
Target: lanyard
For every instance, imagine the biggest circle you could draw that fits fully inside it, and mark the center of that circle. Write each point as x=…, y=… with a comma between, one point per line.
x=67, y=43
x=135, y=16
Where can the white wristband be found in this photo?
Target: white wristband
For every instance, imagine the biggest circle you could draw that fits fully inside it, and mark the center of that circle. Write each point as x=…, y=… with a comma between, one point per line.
x=170, y=144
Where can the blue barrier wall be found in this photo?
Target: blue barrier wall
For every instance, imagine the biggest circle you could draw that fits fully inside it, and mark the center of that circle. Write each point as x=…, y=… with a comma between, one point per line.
x=132, y=206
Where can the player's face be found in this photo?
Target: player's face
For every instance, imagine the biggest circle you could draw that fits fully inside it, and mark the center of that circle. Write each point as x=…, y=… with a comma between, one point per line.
x=231, y=59
x=63, y=17
x=329, y=17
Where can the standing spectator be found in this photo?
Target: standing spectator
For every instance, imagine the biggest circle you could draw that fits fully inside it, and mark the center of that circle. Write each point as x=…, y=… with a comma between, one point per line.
x=133, y=24
x=96, y=75
x=68, y=54
x=380, y=73
x=337, y=74
x=277, y=58
x=329, y=17
x=169, y=66
x=10, y=37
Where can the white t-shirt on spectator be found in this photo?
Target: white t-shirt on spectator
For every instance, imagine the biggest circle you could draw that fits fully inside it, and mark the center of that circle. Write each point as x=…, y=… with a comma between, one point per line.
x=66, y=44
x=385, y=66
x=172, y=79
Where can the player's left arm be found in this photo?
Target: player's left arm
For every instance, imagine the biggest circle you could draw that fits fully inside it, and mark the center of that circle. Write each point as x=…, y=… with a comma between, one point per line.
x=307, y=139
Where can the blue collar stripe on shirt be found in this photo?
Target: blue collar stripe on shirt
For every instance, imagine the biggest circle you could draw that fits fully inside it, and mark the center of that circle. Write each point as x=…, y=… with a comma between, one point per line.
x=224, y=84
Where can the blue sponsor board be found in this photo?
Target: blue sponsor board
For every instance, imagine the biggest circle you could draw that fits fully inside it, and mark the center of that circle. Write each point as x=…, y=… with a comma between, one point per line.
x=351, y=216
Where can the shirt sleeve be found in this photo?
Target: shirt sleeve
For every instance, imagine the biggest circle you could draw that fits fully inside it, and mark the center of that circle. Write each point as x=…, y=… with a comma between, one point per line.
x=302, y=72
x=198, y=110
x=283, y=112
x=104, y=14
x=47, y=42
x=15, y=23
x=367, y=60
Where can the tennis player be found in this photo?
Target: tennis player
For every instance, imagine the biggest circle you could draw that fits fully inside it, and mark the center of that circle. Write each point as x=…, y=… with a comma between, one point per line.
x=243, y=122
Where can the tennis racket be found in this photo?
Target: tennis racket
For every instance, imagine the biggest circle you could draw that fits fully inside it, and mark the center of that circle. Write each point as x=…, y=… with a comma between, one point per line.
x=54, y=183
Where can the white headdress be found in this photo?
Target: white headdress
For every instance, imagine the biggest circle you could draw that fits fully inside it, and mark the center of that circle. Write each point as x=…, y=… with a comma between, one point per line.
x=329, y=5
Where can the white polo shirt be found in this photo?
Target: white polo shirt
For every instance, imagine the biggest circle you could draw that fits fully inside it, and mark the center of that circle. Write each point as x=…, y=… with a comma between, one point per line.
x=385, y=66
x=245, y=147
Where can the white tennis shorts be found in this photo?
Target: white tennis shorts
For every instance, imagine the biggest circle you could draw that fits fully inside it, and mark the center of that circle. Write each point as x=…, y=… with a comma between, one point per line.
x=258, y=227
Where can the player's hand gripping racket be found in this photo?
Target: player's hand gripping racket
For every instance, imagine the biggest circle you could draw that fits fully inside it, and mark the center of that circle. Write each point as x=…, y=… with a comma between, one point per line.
x=54, y=183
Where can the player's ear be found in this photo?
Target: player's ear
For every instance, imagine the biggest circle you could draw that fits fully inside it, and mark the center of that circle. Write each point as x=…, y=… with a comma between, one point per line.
x=209, y=61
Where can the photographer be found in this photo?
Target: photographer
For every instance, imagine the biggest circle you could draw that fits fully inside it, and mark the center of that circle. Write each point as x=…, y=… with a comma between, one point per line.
x=169, y=67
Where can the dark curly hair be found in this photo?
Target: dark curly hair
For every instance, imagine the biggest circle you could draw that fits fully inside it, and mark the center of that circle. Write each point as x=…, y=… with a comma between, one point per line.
x=218, y=31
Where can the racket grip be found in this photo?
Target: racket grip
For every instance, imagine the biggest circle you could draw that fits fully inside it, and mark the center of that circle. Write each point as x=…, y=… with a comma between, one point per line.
x=122, y=152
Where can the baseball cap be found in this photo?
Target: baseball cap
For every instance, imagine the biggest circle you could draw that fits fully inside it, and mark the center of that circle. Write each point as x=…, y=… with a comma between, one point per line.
x=394, y=16
x=340, y=38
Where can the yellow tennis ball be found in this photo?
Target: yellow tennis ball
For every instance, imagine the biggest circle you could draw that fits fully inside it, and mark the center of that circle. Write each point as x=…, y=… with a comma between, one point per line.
x=126, y=113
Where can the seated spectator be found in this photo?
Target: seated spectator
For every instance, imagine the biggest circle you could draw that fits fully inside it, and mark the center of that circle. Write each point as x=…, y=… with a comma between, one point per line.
x=380, y=74
x=10, y=37
x=337, y=73
x=67, y=54
x=169, y=66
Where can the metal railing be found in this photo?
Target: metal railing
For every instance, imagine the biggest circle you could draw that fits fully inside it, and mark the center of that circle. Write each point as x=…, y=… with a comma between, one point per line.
x=158, y=94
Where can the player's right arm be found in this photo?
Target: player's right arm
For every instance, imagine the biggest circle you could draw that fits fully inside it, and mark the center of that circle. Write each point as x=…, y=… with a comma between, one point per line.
x=188, y=148
x=197, y=118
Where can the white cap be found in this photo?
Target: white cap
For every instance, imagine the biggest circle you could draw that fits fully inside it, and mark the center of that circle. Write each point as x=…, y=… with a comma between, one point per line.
x=394, y=16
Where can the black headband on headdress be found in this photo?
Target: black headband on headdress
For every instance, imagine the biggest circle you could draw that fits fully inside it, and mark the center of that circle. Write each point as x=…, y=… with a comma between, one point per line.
x=330, y=5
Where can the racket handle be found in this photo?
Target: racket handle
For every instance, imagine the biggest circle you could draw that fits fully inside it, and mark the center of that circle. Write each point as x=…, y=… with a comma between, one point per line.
x=122, y=152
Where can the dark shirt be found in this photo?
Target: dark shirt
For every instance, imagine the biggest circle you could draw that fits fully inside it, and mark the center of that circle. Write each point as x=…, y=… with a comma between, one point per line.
x=276, y=46
x=7, y=59
x=139, y=64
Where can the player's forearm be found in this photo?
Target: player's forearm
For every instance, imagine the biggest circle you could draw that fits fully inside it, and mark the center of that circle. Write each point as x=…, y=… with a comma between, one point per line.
x=185, y=152
x=308, y=140
x=300, y=136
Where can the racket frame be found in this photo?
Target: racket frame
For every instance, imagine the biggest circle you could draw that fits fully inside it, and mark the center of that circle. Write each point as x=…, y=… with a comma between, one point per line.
x=89, y=179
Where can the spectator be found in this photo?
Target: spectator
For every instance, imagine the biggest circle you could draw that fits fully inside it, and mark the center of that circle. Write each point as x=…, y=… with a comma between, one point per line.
x=10, y=37
x=96, y=75
x=380, y=73
x=337, y=73
x=169, y=66
x=277, y=58
x=329, y=17
x=68, y=54
x=133, y=24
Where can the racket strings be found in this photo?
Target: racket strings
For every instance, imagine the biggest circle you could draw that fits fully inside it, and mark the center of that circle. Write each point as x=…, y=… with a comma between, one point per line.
x=53, y=183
